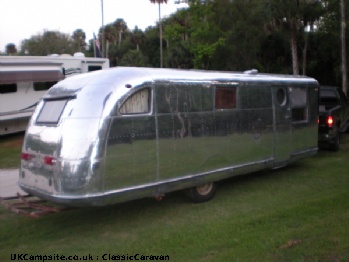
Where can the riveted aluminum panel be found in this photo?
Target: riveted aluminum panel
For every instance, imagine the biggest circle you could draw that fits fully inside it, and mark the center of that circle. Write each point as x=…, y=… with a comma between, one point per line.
x=105, y=155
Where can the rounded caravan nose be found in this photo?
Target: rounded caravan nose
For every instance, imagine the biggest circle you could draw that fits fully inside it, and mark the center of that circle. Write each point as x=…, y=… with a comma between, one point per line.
x=95, y=94
x=70, y=85
x=76, y=140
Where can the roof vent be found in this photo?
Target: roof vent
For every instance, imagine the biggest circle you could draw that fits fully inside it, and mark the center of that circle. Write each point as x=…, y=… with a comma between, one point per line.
x=251, y=72
x=79, y=54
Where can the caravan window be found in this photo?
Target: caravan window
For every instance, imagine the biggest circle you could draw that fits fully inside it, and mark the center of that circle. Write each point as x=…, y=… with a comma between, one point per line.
x=138, y=103
x=299, y=98
x=42, y=86
x=225, y=97
x=94, y=68
x=258, y=96
x=8, y=88
x=51, y=112
x=183, y=97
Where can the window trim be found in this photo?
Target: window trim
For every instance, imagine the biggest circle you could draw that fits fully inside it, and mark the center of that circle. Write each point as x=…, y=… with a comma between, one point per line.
x=230, y=88
x=150, y=102
x=51, y=123
x=305, y=107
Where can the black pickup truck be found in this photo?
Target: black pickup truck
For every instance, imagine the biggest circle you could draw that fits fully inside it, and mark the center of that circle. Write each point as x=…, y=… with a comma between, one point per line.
x=333, y=116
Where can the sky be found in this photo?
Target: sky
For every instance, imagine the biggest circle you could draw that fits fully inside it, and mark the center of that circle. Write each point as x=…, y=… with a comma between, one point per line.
x=21, y=19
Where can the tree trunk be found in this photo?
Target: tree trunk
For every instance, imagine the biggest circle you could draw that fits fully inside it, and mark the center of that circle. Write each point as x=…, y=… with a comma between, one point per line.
x=344, y=59
x=107, y=49
x=293, y=42
x=305, y=54
x=120, y=36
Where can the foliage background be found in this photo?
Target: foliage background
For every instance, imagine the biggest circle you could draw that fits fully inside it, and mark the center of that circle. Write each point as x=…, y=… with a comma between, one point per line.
x=273, y=36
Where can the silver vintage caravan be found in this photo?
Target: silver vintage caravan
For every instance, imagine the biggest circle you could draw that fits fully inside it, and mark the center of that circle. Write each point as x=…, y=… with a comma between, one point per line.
x=125, y=133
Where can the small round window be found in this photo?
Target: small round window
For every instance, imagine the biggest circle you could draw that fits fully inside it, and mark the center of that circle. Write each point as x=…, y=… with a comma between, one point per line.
x=281, y=97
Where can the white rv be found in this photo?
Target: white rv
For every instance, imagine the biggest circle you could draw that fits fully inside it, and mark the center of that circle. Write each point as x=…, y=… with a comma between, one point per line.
x=25, y=79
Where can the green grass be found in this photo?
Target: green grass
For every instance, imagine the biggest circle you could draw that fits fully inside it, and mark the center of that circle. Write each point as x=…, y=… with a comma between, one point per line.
x=10, y=150
x=298, y=213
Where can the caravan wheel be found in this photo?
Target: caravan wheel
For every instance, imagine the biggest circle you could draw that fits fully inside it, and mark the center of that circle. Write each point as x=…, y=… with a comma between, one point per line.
x=201, y=193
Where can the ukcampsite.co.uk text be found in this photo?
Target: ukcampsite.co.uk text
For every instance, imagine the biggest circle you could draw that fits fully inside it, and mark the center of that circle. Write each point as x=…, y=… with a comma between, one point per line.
x=89, y=257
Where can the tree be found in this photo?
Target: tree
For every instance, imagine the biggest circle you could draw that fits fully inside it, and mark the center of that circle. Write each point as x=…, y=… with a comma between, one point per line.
x=291, y=16
x=79, y=38
x=176, y=27
x=160, y=27
x=312, y=12
x=11, y=49
x=176, y=34
x=89, y=52
x=133, y=58
x=121, y=27
x=137, y=37
x=325, y=57
x=241, y=23
x=150, y=46
x=205, y=36
x=109, y=36
x=178, y=56
x=343, y=48
x=113, y=34
x=50, y=42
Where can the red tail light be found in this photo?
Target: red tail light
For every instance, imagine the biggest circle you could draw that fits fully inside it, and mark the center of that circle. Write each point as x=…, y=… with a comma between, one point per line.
x=49, y=160
x=26, y=156
x=330, y=121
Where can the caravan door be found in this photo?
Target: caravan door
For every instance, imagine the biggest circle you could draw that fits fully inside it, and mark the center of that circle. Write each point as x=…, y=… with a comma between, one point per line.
x=282, y=125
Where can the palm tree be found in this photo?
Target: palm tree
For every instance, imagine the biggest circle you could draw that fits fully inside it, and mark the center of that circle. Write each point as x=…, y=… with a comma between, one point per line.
x=110, y=36
x=121, y=27
x=160, y=27
x=344, y=60
x=79, y=38
x=11, y=49
x=137, y=37
x=292, y=16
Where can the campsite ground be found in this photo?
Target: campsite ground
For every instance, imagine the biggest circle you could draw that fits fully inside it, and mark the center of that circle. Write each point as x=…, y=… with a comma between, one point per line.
x=298, y=213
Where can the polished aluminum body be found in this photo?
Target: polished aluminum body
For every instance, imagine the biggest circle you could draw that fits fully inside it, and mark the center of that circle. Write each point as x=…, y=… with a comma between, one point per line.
x=126, y=133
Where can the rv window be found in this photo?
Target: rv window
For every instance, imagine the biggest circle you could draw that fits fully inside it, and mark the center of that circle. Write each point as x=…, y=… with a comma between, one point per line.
x=200, y=98
x=41, y=86
x=183, y=97
x=255, y=96
x=299, y=100
x=51, y=112
x=225, y=98
x=328, y=93
x=94, y=68
x=8, y=88
x=138, y=103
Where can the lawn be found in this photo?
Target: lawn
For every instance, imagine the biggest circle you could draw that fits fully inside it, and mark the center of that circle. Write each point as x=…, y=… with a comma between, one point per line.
x=10, y=150
x=298, y=213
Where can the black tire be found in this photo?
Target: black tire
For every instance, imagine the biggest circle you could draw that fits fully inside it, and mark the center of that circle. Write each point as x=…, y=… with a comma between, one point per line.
x=335, y=143
x=202, y=193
